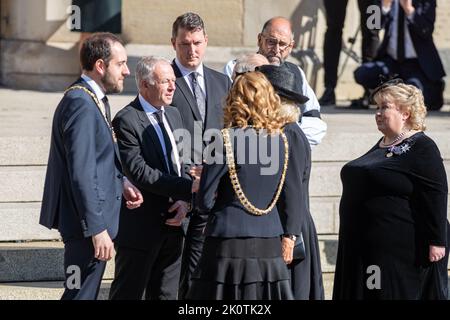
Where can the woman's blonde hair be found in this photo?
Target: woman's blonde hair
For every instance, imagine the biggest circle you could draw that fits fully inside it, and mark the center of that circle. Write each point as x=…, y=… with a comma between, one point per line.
x=252, y=101
x=408, y=98
x=289, y=110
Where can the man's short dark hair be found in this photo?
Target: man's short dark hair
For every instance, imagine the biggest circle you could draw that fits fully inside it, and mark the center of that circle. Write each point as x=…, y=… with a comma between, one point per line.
x=189, y=21
x=97, y=46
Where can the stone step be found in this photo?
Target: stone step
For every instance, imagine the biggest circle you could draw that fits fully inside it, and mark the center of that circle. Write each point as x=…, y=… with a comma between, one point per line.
x=52, y=290
x=26, y=183
x=43, y=261
x=45, y=290
x=20, y=221
x=36, y=261
x=25, y=133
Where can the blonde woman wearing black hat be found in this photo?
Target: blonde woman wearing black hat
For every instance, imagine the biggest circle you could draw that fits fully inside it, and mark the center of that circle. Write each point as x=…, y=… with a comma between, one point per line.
x=304, y=259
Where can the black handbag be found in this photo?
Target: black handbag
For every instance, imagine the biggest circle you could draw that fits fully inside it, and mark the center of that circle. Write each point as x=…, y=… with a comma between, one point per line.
x=299, y=248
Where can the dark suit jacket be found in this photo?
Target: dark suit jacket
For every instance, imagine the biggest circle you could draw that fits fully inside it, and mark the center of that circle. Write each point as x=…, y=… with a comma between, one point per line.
x=144, y=165
x=293, y=205
x=421, y=30
x=217, y=87
x=227, y=217
x=294, y=200
x=83, y=185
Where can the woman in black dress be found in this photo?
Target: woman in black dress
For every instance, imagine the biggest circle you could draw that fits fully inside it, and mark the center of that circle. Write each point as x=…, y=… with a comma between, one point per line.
x=393, y=213
x=242, y=255
x=304, y=265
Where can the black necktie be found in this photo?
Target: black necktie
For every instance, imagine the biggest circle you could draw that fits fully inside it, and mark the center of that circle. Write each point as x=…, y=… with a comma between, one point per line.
x=198, y=94
x=107, y=110
x=159, y=117
x=400, y=34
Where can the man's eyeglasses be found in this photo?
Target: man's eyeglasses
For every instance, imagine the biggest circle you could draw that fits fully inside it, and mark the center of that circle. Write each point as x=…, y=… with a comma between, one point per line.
x=273, y=42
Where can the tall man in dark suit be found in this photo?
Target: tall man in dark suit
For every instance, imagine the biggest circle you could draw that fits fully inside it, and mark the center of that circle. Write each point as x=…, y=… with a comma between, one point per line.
x=199, y=97
x=150, y=239
x=408, y=50
x=83, y=185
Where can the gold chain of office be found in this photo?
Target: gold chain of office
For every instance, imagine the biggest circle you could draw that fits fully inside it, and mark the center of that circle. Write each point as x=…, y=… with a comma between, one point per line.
x=97, y=102
x=235, y=180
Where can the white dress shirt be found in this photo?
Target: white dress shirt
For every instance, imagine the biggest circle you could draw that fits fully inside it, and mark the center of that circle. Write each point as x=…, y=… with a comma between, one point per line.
x=185, y=72
x=149, y=110
x=95, y=87
x=98, y=93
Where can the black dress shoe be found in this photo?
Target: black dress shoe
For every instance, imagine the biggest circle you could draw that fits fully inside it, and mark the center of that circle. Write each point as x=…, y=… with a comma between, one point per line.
x=328, y=98
x=361, y=103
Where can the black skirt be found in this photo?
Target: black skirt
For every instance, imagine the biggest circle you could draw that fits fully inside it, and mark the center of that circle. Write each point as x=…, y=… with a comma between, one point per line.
x=241, y=269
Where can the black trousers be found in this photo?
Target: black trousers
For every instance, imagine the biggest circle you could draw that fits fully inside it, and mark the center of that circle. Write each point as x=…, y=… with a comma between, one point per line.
x=368, y=75
x=192, y=252
x=155, y=271
x=83, y=272
x=335, y=16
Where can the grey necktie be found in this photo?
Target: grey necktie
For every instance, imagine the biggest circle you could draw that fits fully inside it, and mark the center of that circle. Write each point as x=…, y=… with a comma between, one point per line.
x=198, y=94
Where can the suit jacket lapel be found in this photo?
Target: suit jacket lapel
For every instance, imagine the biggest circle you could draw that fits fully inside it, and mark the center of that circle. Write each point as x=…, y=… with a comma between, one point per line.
x=210, y=101
x=150, y=131
x=81, y=82
x=186, y=91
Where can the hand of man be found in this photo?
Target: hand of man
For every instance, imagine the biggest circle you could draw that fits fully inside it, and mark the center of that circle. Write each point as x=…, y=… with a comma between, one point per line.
x=196, y=172
x=407, y=6
x=195, y=185
x=181, y=208
x=287, y=249
x=436, y=253
x=387, y=4
x=103, y=246
x=132, y=195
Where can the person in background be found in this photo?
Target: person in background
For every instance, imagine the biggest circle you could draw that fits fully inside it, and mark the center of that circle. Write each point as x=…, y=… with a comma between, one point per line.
x=247, y=63
x=335, y=11
x=408, y=50
x=275, y=42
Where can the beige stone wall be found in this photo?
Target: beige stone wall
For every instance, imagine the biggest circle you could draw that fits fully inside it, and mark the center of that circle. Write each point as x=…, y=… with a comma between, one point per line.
x=33, y=20
x=150, y=22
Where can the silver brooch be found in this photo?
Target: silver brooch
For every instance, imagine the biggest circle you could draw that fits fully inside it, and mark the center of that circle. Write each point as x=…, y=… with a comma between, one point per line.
x=398, y=150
